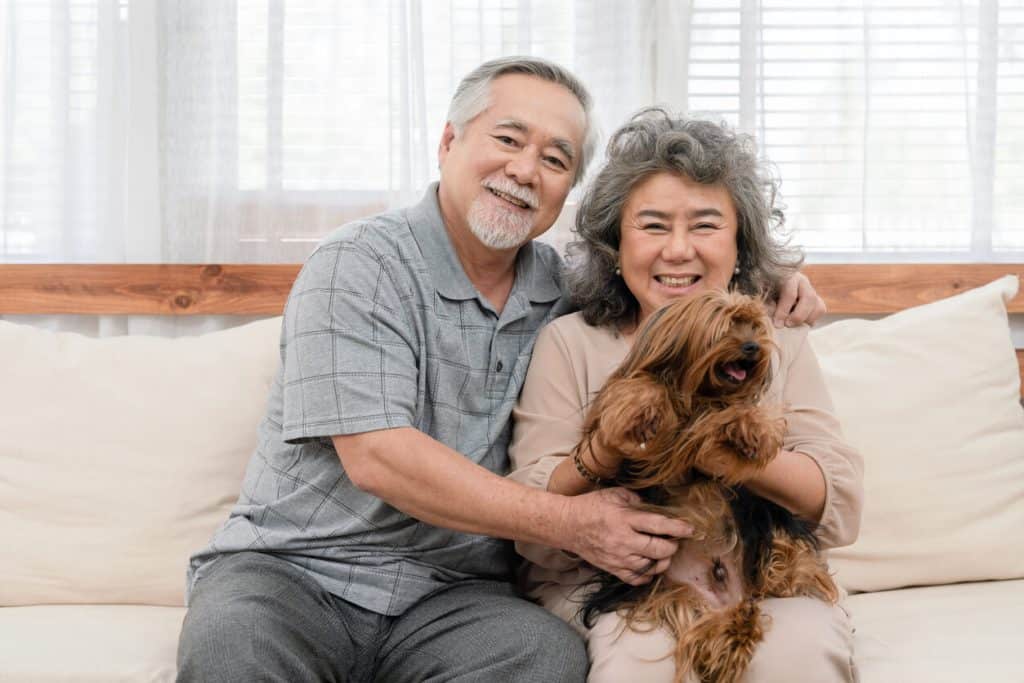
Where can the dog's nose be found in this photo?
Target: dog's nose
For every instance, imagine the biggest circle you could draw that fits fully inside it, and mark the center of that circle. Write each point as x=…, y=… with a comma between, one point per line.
x=750, y=348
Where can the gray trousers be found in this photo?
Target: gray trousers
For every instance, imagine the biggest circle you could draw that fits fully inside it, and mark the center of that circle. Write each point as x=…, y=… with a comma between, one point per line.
x=255, y=617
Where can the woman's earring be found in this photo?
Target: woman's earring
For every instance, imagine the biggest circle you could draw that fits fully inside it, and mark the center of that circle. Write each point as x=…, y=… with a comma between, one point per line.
x=618, y=271
x=736, y=270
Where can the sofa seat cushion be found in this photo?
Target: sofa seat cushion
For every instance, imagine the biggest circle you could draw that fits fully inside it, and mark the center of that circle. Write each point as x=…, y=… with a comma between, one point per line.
x=938, y=634
x=89, y=643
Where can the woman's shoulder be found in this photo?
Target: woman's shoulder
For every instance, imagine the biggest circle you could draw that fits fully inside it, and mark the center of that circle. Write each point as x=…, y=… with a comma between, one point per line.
x=791, y=337
x=791, y=341
x=591, y=352
x=573, y=331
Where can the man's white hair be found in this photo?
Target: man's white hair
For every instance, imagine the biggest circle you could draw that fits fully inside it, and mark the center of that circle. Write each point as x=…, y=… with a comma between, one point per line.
x=474, y=92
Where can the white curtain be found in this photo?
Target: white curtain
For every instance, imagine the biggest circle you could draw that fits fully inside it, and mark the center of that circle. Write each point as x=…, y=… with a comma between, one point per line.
x=244, y=130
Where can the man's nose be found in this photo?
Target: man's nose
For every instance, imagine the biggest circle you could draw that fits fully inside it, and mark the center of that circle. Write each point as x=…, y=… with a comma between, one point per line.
x=523, y=166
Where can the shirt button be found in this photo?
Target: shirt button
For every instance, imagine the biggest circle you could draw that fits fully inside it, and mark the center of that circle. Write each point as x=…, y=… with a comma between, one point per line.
x=499, y=367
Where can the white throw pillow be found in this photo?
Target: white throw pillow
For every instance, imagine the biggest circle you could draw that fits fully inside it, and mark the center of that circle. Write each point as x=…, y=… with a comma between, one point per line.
x=930, y=397
x=120, y=456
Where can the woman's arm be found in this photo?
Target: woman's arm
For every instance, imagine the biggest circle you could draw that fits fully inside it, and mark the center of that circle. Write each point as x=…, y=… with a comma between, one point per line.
x=794, y=481
x=547, y=424
x=817, y=475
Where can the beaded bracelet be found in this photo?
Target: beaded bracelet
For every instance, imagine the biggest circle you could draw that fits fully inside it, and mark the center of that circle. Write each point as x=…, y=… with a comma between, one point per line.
x=583, y=470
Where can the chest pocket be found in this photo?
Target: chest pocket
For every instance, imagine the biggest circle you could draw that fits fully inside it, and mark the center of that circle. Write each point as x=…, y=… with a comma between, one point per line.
x=459, y=366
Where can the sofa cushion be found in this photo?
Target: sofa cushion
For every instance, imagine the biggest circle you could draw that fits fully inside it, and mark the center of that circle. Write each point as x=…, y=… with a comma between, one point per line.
x=89, y=643
x=930, y=396
x=940, y=634
x=120, y=456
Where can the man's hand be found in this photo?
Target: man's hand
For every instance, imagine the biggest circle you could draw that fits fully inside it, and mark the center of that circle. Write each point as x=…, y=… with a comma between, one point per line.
x=798, y=303
x=605, y=529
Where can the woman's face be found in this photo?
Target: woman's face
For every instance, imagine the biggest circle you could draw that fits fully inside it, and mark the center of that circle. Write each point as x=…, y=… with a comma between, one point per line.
x=677, y=237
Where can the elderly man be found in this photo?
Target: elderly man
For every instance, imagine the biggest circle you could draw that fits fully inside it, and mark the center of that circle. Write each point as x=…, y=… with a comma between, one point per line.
x=367, y=541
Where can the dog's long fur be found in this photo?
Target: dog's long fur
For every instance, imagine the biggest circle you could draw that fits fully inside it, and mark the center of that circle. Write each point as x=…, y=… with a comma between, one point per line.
x=686, y=401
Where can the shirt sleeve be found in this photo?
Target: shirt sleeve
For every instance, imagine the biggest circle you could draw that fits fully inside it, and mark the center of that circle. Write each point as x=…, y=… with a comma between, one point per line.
x=547, y=422
x=350, y=352
x=813, y=429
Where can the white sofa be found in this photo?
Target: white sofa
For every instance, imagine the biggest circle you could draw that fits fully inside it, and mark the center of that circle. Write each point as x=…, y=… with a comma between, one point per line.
x=118, y=457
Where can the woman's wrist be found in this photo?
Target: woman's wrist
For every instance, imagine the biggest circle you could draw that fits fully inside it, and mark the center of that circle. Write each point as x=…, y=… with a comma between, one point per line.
x=592, y=457
x=581, y=471
x=584, y=470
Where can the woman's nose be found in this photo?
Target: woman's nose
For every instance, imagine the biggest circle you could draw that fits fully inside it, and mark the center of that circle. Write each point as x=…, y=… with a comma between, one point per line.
x=678, y=247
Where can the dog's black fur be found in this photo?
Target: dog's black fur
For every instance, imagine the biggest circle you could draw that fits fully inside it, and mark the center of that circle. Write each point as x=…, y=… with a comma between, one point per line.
x=758, y=522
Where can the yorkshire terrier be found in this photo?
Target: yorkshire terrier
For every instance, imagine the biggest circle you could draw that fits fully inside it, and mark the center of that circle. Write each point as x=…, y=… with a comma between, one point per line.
x=683, y=410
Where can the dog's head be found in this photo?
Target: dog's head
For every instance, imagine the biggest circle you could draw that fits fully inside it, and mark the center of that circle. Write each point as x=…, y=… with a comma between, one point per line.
x=709, y=346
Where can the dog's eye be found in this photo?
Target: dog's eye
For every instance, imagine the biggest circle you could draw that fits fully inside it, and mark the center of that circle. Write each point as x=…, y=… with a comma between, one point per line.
x=718, y=571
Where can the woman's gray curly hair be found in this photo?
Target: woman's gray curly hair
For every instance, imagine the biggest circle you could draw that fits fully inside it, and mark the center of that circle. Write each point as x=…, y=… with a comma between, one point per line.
x=654, y=141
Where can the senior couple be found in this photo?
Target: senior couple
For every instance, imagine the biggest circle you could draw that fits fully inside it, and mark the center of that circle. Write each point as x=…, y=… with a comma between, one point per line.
x=371, y=538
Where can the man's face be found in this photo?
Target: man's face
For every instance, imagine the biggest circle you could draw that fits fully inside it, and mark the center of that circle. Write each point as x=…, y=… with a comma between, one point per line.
x=505, y=177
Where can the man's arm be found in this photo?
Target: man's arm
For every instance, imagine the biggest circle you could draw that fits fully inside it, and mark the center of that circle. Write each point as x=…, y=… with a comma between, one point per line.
x=432, y=483
x=798, y=303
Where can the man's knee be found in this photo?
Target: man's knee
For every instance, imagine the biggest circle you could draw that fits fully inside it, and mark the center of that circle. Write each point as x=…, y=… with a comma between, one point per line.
x=807, y=640
x=217, y=637
x=252, y=619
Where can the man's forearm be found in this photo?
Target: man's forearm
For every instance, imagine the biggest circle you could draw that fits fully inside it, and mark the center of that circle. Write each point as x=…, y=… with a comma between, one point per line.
x=433, y=483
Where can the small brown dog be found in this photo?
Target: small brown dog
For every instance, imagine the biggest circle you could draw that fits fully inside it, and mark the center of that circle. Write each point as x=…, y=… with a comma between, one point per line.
x=683, y=411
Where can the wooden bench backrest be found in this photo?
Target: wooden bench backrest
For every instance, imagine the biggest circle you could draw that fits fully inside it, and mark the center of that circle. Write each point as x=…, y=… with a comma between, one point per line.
x=213, y=289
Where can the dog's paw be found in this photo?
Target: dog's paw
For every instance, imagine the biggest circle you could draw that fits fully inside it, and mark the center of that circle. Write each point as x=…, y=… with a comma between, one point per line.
x=631, y=413
x=754, y=435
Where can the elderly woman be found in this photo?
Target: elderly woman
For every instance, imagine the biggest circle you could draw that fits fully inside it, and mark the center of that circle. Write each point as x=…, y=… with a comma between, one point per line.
x=682, y=206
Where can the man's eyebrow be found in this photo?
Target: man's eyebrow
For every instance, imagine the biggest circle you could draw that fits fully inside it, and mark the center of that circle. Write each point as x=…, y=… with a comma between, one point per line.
x=563, y=145
x=514, y=124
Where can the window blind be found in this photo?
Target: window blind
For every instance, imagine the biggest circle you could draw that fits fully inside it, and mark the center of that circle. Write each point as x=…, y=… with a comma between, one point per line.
x=880, y=118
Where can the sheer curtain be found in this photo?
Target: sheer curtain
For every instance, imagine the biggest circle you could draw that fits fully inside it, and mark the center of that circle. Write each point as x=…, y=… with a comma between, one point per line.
x=244, y=130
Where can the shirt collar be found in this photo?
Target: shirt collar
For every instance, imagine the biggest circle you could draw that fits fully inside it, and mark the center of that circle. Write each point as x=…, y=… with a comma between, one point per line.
x=450, y=280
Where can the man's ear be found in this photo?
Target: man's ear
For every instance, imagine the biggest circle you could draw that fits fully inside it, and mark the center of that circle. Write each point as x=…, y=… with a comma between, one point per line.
x=446, y=142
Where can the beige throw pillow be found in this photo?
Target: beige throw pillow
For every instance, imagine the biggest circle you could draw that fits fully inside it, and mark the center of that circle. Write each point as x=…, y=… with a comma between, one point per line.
x=930, y=396
x=120, y=456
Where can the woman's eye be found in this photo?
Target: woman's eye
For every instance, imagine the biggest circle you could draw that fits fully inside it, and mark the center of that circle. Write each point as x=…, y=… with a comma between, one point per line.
x=654, y=227
x=706, y=226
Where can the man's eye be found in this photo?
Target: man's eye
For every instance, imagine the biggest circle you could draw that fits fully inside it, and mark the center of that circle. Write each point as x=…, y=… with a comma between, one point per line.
x=555, y=161
x=505, y=140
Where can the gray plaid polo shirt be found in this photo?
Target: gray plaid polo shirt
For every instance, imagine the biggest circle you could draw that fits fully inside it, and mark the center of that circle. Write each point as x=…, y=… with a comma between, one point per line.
x=383, y=329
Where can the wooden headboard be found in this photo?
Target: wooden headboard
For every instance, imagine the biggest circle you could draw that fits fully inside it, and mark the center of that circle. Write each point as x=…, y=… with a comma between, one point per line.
x=213, y=289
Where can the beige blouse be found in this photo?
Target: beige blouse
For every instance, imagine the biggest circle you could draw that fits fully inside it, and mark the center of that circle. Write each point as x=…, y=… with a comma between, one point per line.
x=572, y=361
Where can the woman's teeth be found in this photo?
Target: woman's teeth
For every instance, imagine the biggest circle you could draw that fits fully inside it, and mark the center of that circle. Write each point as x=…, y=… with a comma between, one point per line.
x=677, y=281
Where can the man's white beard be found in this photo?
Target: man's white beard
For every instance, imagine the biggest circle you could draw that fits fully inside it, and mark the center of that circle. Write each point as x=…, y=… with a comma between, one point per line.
x=496, y=227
